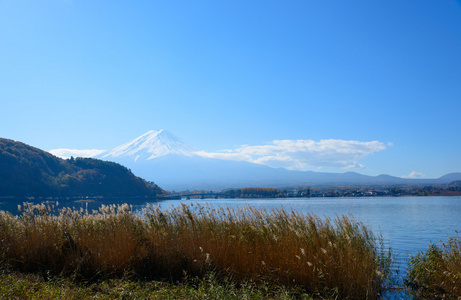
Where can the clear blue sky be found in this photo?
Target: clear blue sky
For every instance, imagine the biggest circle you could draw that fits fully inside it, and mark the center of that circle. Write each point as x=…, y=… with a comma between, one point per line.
x=85, y=74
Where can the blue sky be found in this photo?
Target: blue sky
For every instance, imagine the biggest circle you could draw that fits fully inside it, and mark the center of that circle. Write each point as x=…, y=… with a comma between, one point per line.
x=83, y=74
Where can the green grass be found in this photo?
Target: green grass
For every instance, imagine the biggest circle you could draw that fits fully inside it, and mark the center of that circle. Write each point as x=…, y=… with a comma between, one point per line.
x=246, y=250
x=30, y=286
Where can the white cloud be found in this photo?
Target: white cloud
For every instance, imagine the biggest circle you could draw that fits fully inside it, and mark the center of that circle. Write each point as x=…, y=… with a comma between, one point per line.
x=67, y=153
x=414, y=175
x=302, y=154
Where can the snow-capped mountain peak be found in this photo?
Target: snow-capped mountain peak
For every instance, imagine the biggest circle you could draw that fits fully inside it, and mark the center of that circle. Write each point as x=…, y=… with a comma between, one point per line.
x=152, y=144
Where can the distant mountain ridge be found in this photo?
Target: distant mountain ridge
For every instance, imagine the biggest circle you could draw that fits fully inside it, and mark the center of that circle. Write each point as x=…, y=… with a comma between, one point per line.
x=450, y=177
x=174, y=165
x=29, y=171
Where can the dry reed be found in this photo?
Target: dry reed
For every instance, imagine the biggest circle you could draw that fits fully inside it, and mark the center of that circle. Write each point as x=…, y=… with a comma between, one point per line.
x=436, y=274
x=340, y=258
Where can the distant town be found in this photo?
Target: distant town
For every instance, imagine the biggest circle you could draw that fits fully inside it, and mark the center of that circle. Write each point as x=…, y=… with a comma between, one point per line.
x=452, y=189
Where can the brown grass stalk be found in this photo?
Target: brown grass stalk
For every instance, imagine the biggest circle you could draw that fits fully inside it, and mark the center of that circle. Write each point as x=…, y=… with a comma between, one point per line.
x=339, y=257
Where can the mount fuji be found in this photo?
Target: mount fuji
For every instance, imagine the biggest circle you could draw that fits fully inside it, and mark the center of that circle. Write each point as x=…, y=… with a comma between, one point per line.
x=151, y=145
x=161, y=157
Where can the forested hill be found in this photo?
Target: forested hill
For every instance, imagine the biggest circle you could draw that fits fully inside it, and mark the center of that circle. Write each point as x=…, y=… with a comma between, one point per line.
x=29, y=171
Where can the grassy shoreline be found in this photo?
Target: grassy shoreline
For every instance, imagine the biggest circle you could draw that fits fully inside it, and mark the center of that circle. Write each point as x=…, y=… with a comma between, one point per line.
x=300, y=255
x=33, y=286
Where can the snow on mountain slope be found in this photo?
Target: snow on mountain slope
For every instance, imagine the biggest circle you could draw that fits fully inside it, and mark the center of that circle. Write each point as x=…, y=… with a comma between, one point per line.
x=152, y=144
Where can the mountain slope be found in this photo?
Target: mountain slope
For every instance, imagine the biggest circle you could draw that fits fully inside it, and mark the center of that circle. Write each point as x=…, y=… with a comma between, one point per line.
x=450, y=177
x=29, y=171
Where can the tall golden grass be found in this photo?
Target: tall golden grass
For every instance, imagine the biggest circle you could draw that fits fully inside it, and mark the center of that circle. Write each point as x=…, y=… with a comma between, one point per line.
x=340, y=258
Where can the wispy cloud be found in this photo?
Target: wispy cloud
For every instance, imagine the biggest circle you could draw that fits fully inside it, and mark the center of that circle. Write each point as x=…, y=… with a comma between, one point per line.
x=302, y=154
x=67, y=153
x=414, y=175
